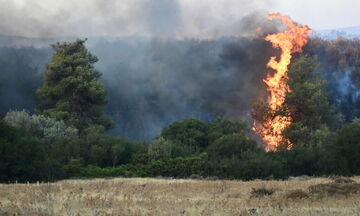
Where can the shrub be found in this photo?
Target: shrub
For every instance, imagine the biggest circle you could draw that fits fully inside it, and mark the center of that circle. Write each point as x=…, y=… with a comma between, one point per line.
x=260, y=165
x=162, y=148
x=343, y=180
x=179, y=167
x=231, y=146
x=222, y=126
x=296, y=194
x=72, y=168
x=39, y=126
x=334, y=189
x=347, y=145
x=189, y=132
x=261, y=192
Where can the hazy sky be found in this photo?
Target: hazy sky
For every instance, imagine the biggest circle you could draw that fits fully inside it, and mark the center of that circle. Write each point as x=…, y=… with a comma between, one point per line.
x=180, y=18
x=322, y=14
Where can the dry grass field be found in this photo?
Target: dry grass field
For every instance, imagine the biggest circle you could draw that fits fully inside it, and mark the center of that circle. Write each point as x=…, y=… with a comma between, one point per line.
x=136, y=196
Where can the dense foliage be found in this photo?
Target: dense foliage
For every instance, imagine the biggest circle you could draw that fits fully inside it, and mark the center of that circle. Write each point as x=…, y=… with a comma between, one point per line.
x=72, y=91
x=67, y=138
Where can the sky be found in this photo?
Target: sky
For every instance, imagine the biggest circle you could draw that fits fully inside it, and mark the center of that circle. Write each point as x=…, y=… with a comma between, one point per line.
x=173, y=18
x=321, y=14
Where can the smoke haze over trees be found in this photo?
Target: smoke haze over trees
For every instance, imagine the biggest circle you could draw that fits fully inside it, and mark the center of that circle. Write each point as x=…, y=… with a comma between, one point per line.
x=182, y=85
x=153, y=82
x=161, y=61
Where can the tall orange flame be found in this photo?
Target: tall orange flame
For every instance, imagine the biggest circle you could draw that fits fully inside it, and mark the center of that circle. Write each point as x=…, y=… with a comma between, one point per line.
x=289, y=42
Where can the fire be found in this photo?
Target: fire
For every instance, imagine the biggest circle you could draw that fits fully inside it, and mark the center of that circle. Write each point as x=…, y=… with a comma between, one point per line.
x=289, y=42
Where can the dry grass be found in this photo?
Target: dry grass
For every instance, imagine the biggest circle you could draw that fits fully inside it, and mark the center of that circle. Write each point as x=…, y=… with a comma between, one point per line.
x=135, y=196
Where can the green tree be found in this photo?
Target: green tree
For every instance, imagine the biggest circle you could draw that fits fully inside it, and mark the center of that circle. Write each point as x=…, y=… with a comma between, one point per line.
x=39, y=126
x=162, y=148
x=189, y=132
x=24, y=158
x=72, y=91
x=222, y=126
x=307, y=104
x=347, y=146
x=232, y=146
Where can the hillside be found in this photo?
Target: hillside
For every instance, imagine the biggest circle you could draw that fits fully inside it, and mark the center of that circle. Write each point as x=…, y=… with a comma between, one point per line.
x=348, y=32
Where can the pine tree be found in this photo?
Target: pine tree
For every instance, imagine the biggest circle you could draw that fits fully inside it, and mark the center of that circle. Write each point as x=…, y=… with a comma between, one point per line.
x=72, y=90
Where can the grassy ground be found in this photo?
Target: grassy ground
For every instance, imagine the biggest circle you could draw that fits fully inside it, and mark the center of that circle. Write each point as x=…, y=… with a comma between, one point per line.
x=135, y=196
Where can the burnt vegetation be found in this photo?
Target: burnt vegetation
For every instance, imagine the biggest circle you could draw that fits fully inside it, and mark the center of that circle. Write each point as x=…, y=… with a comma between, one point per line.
x=177, y=115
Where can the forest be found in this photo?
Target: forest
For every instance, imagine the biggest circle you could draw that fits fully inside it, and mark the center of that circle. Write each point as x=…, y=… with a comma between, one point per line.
x=74, y=119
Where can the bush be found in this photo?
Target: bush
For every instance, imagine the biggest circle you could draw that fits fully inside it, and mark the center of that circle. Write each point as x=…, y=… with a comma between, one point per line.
x=296, y=194
x=72, y=168
x=189, y=132
x=162, y=148
x=222, y=126
x=261, y=192
x=343, y=180
x=299, y=161
x=347, y=146
x=39, y=126
x=232, y=146
x=179, y=167
x=260, y=165
x=334, y=189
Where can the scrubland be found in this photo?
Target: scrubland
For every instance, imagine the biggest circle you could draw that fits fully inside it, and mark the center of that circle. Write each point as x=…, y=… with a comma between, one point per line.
x=145, y=196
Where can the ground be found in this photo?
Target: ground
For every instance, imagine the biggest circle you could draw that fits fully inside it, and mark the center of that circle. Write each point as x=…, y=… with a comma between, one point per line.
x=145, y=196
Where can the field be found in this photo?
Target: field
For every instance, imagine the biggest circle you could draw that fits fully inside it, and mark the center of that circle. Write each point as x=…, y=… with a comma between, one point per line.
x=136, y=196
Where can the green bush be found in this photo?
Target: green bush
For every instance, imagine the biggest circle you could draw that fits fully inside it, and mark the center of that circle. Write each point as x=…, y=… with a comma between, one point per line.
x=189, y=132
x=231, y=146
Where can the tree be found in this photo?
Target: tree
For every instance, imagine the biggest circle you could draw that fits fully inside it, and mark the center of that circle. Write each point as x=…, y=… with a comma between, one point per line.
x=222, y=126
x=347, y=146
x=72, y=91
x=307, y=104
x=162, y=148
x=39, y=126
x=189, y=132
x=24, y=158
x=232, y=146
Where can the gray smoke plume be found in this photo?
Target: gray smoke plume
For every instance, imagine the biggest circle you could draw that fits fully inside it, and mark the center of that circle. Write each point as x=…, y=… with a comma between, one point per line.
x=162, y=60
x=158, y=18
x=153, y=82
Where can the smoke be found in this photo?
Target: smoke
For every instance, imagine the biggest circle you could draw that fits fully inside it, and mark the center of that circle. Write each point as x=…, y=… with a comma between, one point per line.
x=162, y=60
x=339, y=65
x=20, y=76
x=153, y=82
x=158, y=18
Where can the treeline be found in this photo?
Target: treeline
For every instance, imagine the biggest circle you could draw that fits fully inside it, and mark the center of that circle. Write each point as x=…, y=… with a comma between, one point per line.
x=67, y=137
x=39, y=148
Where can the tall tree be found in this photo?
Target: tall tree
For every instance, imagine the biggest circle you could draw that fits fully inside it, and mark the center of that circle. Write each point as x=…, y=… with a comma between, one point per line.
x=308, y=105
x=72, y=91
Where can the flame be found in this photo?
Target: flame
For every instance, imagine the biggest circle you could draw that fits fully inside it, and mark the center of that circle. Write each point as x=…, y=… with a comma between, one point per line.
x=289, y=42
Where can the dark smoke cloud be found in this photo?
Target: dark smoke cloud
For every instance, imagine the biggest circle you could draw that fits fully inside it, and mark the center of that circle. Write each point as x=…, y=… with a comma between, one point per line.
x=162, y=60
x=153, y=82
x=339, y=65
x=20, y=76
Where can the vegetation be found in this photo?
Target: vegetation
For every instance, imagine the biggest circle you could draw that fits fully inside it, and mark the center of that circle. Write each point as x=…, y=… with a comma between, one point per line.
x=134, y=196
x=72, y=91
x=67, y=137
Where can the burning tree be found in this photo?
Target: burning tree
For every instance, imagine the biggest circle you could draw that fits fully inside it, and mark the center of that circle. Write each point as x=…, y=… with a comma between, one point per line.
x=271, y=125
